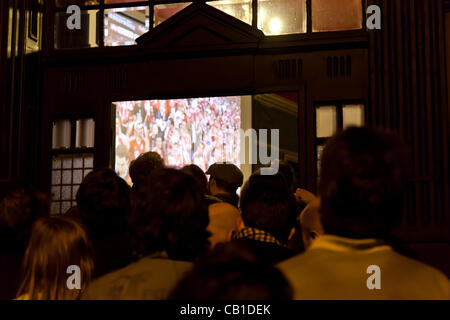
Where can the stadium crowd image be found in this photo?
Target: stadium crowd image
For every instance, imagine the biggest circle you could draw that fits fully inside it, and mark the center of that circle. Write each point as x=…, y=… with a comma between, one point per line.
x=224, y=150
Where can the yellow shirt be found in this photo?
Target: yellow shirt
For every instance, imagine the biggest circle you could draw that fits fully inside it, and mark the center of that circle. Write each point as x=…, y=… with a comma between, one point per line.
x=338, y=268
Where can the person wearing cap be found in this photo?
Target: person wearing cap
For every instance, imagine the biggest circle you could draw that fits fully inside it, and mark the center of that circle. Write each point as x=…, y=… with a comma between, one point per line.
x=224, y=180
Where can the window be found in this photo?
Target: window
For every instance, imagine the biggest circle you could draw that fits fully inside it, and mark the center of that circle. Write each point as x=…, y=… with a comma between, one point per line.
x=331, y=118
x=72, y=160
x=336, y=15
x=282, y=16
x=120, y=22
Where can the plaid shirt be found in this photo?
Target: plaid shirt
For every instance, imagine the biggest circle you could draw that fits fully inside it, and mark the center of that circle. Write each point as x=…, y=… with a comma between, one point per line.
x=258, y=235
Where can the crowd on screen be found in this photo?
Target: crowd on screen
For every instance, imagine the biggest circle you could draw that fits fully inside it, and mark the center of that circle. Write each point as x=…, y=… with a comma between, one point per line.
x=183, y=131
x=186, y=234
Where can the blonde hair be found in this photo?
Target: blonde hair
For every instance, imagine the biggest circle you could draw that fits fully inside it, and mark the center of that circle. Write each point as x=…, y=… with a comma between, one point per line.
x=54, y=245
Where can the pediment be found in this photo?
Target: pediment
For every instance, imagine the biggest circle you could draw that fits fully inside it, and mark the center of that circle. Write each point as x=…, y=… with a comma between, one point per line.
x=200, y=27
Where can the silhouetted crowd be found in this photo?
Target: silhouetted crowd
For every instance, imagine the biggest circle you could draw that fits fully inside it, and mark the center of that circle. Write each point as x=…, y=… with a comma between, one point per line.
x=176, y=234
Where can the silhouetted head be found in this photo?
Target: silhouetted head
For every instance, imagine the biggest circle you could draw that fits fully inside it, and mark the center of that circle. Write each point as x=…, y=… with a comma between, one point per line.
x=198, y=174
x=364, y=172
x=143, y=166
x=268, y=204
x=170, y=215
x=230, y=272
x=103, y=202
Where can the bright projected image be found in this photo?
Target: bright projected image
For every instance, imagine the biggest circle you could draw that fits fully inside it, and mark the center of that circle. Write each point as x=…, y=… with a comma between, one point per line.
x=183, y=131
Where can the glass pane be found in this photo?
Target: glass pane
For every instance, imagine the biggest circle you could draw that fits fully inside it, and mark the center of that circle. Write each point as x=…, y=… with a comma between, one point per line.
x=326, y=121
x=335, y=15
x=56, y=163
x=61, y=134
x=124, y=25
x=66, y=193
x=78, y=162
x=240, y=9
x=67, y=177
x=89, y=162
x=56, y=193
x=165, y=11
x=67, y=162
x=74, y=191
x=353, y=115
x=85, y=133
x=319, y=156
x=86, y=172
x=56, y=177
x=85, y=37
x=77, y=176
x=55, y=208
x=120, y=1
x=66, y=3
x=66, y=205
x=282, y=16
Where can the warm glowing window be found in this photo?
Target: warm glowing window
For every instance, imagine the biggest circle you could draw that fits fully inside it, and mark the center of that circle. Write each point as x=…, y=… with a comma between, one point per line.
x=336, y=15
x=120, y=22
x=282, y=16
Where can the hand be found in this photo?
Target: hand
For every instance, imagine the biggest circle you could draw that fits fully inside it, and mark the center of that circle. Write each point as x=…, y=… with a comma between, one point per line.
x=305, y=195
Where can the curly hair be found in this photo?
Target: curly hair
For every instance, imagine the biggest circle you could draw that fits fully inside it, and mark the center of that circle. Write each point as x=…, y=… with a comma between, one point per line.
x=103, y=202
x=142, y=166
x=170, y=215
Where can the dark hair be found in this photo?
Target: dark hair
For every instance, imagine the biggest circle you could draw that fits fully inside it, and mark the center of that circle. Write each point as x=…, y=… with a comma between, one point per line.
x=286, y=170
x=103, y=202
x=21, y=205
x=363, y=175
x=231, y=190
x=267, y=204
x=230, y=272
x=197, y=173
x=142, y=166
x=170, y=215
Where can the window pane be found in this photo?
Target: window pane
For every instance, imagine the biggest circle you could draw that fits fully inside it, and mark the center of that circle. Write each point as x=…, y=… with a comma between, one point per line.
x=56, y=177
x=326, y=121
x=165, y=11
x=319, y=156
x=353, y=115
x=124, y=25
x=61, y=134
x=85, y=37
x=85, y=133
x=120, y=1
x=282, y=16
x=67, y=177
x=66, y=205
x=66, y=3
x=240, y=9
x=55, y=208
x=335, y=15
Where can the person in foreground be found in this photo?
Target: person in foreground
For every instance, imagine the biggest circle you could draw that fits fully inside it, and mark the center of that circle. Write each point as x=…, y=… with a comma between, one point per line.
x=230, y=272
x=363, y=176
x=170, y=219
x=58, y=250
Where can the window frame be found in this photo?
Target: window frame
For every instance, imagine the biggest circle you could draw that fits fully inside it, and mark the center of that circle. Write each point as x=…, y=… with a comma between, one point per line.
x=339, y=104
x=52, y=9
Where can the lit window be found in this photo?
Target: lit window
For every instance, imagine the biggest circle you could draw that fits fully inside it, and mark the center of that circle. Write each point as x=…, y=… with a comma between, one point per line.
x=326, y=121
x=352, y=115
x=282, y=16
x=336, y=15
x=124, y=25
x=165, y=11
x=68, y=172
x=240, y=9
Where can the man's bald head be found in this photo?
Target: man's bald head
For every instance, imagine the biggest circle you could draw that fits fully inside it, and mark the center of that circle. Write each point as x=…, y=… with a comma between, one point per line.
x=310, y=223
x=224, y=219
